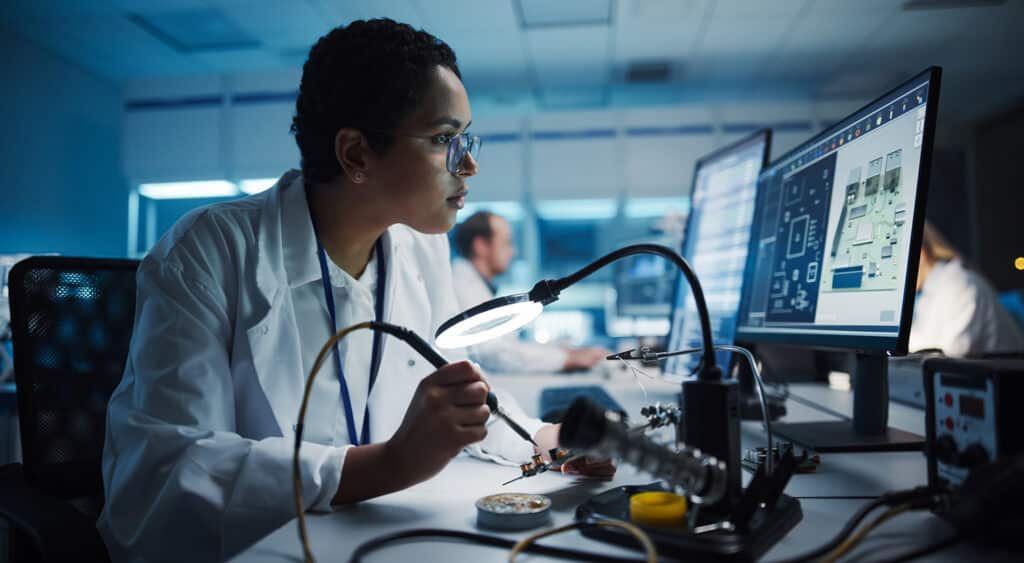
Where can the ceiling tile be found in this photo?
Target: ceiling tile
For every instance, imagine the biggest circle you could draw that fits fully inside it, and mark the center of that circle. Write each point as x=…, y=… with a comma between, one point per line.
x=564, y=13
x=479, y=18
x=278, y=29
x=337, y=13
x=575, y=56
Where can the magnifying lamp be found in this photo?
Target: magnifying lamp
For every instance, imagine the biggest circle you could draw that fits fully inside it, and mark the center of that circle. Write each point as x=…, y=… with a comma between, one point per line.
x=506, y=314
x=710, y=404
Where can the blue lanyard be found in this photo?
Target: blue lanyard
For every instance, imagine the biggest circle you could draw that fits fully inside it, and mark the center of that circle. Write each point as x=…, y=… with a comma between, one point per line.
x=377, y=338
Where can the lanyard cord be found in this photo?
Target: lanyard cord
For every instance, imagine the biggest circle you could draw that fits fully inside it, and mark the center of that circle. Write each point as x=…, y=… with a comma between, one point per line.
x=346, y=399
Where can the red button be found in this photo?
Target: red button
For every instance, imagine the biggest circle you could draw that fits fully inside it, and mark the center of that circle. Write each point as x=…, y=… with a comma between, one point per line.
x=949, y=423
x=948, y=400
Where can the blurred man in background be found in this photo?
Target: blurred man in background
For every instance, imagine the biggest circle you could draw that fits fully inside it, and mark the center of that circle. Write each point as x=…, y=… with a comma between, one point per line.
x=484, y=243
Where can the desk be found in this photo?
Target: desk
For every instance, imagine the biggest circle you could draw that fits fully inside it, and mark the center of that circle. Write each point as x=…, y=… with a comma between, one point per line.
x=446, y=501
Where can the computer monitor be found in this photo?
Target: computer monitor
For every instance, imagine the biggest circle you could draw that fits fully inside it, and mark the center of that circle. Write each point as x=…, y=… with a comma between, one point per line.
x=715, y=245
x=833, y=258
x=643, y=285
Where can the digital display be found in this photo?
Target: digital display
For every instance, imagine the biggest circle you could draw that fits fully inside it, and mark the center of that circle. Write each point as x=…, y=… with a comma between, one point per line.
x=833, y=226
x=972, y=406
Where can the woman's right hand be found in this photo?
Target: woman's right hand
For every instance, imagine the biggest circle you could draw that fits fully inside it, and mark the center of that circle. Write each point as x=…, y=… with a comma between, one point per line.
x=447, y=413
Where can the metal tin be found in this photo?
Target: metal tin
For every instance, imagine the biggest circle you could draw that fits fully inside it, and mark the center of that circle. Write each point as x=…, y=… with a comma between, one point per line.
x=513, y=511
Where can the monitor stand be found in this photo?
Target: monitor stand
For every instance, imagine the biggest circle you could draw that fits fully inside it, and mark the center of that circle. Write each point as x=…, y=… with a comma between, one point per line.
x=869, y=431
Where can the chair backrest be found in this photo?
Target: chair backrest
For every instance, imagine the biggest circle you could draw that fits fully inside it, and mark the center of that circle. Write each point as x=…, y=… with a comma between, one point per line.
x=71, y=323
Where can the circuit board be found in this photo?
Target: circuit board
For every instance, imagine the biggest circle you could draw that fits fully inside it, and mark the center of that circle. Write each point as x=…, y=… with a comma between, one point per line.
x=864, y=250
x=800, y=242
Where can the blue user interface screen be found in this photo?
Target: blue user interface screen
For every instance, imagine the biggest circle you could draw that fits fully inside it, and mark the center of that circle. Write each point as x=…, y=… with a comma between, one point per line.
x=832, y=229
x=717, y=237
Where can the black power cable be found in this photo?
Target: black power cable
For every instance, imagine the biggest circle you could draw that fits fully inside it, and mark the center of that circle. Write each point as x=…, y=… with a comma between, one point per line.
x=890, y=499
x=482, y=539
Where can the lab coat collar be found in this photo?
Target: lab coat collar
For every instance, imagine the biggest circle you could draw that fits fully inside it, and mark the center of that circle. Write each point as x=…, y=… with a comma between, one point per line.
x=298, y=240
x=287, y=258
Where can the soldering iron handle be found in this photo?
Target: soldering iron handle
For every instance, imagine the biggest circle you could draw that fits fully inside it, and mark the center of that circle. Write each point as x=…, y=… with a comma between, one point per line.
x=414, y=340
x=425, y=350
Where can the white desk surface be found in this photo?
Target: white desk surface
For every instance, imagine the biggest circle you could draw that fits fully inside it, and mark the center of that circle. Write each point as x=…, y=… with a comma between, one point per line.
x=447, y=500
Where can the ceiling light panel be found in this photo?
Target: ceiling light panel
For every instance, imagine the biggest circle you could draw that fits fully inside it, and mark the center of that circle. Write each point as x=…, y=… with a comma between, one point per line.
x=564, y=13
x=657, y=29
x=190, y=31
x=278, y=30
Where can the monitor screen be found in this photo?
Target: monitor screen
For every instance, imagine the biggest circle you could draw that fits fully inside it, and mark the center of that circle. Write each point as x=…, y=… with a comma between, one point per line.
x=715, y=245
x=643, y=285
x=833, y=259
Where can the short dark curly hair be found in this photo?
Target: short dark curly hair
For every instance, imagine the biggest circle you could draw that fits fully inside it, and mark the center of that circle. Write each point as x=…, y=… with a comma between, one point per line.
x=476, y=225
x=368, y=75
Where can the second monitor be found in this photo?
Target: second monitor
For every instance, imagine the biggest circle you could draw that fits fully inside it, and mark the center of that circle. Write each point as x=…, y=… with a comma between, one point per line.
x=715, y=245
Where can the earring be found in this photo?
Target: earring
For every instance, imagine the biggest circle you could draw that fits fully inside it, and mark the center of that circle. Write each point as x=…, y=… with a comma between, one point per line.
x=358, y=177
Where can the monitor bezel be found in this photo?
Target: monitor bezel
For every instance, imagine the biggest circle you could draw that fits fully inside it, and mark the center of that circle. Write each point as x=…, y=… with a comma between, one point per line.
x=889, y=345
x=764, y=132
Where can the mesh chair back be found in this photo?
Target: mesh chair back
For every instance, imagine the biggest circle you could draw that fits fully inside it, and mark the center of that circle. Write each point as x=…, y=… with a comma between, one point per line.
x=71, y=323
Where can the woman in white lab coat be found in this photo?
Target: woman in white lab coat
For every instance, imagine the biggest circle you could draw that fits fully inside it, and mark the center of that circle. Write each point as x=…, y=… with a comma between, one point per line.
x=957, y=310
x=236, y=300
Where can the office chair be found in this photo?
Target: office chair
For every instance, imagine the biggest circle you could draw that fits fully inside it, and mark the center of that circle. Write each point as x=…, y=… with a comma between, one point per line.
x=71, y=323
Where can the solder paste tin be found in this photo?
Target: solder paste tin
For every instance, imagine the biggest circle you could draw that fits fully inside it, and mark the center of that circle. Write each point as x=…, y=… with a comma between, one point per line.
x=513, y=511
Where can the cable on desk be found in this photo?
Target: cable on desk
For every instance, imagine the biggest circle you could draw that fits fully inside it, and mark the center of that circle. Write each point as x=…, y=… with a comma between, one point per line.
x=929, y=549
x=483, y=539
x=893, y=498
x=650, y=551
x=855, y=539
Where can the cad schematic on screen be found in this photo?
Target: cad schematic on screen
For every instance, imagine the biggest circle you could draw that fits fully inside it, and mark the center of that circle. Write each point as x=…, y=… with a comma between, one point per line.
x=832, y=240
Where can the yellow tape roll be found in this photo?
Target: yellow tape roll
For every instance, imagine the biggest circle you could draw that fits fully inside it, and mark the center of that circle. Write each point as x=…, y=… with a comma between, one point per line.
x=657, y=508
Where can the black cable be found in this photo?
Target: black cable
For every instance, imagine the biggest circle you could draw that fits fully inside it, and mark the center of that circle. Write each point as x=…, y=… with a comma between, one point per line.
x=848, y=529
x=927, y=549
x=494, y=541
x=891, y=499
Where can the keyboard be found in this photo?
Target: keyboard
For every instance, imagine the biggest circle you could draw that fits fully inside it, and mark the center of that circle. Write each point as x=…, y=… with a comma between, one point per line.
x=554, y=401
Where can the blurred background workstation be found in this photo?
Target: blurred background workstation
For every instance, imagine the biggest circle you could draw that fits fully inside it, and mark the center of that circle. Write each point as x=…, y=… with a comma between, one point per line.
x=700, y=125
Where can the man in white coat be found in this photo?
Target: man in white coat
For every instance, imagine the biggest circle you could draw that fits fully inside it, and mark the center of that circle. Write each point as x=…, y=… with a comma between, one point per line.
x=484, y=244
x=236, y=300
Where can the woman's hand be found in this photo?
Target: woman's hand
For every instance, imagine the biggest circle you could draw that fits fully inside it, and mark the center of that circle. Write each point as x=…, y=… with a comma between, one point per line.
x=547, y=439
x=590, y=467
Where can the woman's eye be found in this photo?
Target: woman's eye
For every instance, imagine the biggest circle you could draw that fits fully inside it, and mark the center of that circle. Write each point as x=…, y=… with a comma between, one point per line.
x=442, y=139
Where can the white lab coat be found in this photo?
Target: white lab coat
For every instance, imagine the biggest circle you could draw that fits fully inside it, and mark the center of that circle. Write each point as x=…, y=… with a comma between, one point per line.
x=958, y=312
x=199, y=439
x=507, y=353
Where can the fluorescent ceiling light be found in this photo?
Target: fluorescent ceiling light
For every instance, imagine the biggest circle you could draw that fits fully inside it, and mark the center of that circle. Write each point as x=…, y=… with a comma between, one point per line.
x=186, y=190
x=256, y=185
x=577, y=209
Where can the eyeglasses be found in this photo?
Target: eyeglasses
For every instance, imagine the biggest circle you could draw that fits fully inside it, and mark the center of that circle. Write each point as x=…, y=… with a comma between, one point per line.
x=459, y=145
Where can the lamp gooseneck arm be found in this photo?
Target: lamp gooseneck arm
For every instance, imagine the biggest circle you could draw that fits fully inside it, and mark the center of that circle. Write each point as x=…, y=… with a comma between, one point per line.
x=548, y=290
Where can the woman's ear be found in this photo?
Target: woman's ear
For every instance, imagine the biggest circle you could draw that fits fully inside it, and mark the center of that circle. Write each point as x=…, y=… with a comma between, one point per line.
x=351, y=148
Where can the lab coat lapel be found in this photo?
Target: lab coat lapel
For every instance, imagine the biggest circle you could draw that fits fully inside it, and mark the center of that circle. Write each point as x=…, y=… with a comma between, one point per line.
x=273, y=337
